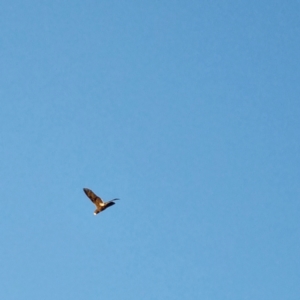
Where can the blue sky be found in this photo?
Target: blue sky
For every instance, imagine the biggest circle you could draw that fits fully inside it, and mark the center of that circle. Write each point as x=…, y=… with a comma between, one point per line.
x=186, y=110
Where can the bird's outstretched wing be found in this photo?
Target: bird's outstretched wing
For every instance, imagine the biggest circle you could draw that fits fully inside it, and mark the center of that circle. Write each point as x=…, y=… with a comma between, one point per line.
x=108, y=204
x=94, y=198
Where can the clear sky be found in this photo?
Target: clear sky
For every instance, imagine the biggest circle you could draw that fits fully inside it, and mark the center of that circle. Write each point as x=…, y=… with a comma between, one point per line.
x=186, y=110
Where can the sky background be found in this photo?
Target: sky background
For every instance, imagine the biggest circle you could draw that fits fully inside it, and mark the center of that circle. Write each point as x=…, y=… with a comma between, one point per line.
x=186, y=110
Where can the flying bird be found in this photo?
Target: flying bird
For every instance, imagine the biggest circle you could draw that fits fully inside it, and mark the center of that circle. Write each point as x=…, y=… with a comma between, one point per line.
x=100, y=204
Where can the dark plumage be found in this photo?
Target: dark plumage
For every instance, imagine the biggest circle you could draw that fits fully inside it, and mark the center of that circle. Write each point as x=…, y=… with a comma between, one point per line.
x=100, y=204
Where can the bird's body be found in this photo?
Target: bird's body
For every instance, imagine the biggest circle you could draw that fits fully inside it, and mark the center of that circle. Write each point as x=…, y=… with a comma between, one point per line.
x=99, y=203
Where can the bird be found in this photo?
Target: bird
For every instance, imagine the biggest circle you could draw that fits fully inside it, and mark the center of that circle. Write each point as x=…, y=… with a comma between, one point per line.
x=100, y=204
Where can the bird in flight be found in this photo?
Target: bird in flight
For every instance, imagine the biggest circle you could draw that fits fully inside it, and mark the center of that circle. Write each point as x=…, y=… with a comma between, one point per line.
x=100, y=204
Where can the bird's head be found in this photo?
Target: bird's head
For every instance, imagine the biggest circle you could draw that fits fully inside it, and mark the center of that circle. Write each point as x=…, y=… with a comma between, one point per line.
x=97, y=211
